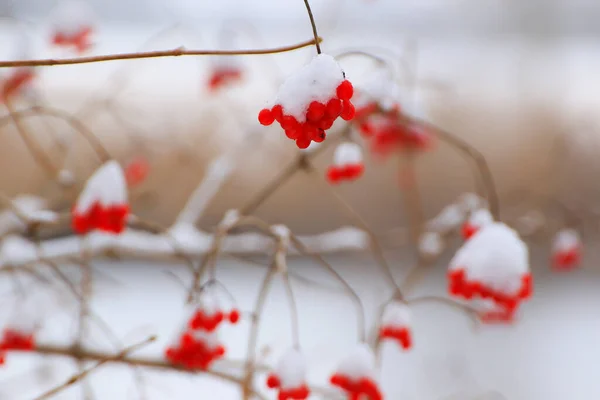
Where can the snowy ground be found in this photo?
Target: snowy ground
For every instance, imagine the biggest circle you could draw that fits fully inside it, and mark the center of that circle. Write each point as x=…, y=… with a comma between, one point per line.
x=549, y=354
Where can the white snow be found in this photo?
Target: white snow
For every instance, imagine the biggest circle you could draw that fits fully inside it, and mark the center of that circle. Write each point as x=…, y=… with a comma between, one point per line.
x=16, y=250
x=347, y=153
x=208, y=301
x=359, y=363
x=431, y=244
x=210, y=339
x=471, y=201
x=380, y=89
x=566, y=240
x=450, y=218
x=30, y=207
x=496, y=256
x=316, y=81
x=396, y=314
x=480, y=218
x=107, y=186
x=291, y=369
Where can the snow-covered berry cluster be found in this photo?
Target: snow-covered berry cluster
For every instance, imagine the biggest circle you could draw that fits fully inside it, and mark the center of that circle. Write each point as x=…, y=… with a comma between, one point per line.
x=224, y=71
x=289, y=377
x=309, y=101
x=477, y=220
x=356, y=375
x=198, y=345
x=347, y=163
x=492, y=265
x=15, y=82
x=73, y=26
x=15, y=339
x=566, y=249
x=102, y=205
x=395, y=324
x=390, y=133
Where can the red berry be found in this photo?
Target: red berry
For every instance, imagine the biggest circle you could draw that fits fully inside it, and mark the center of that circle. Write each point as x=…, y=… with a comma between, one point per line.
x=234, y=316
x=319, y=136
x=302, y=143
x=277, y=111
x=334, y=108
x=333, y=174
x=266, y=117
x=292, y=133
x=289, y=122
x=348, y=111
x=273, y=381
x=345, y=91
x=316, y=111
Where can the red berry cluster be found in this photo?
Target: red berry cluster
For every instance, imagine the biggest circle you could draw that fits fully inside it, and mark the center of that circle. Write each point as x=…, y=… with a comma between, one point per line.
x=111, y=219
x=221, y=77
x=14, y=83
x=13, y=339
x=348, y=172
x=357, y=389
x=209, y=322
x=79, y=40
x=401, y=335
x=298, y=393
x=566, y=259
x=460, y=286
x=319, y=117
x=136, y=172
x=193, y=350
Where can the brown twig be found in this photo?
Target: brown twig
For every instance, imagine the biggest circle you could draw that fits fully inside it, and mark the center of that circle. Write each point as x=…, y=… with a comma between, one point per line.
x=178, y=52
x=102, y=360
x=313, y=25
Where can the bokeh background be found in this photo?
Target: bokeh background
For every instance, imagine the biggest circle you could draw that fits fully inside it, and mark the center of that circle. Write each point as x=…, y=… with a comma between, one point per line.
x=517, y=80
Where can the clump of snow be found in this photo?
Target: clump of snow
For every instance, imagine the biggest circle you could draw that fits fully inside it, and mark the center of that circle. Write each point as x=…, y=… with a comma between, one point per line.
x=66, y=177
x=565, y=240
x=480, y=218
x=360, y=363
x=208, y=301
x=282, y=232
x=106, y=186
x=16, y=250
x=291, y=369
x=496, y=257
x=188, y=238
x=431, y=244
x=72, y=16
x=449, y=219
x=347, y=153
x=471, y=202
x=396, y=314
x=380, y=89
x=316, y=81
x=210, y=339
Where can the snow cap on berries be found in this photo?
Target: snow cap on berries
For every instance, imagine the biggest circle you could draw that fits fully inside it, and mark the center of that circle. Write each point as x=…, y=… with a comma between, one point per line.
x=360, y=363
x=316, y=81
x=290, y=371
x=395, y=324
x=347, y=153
x=102, y=204
x=347, y=163
x=566, y=249
x=72, y=16
x=477, y=220
x=495, y=257
x=566, y=239
x=106, y=186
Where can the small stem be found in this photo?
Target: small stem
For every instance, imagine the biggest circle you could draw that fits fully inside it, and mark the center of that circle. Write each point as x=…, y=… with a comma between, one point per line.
x=181, y=51
x=314, y=26
x=291, y=300
x=351, y=292
x=252, y=341
x=37, y=152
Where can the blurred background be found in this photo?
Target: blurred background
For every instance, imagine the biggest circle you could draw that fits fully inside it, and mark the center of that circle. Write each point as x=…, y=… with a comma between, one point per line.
x=517, y=80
